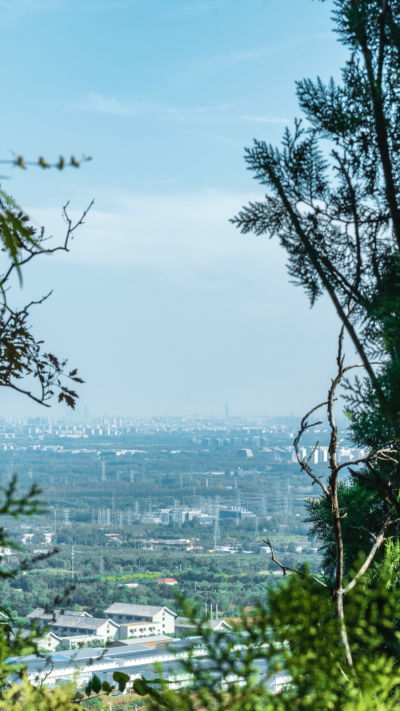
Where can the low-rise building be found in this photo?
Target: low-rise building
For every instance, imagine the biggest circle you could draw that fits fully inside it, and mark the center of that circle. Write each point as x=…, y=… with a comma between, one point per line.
x=166, y=581
x=135, y=660
x=137, y=620
x=68, y=623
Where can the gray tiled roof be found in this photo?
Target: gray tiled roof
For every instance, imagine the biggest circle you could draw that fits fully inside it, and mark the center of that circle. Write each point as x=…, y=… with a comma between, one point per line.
x=40, y=614
x=66, y=620
x=89, y=623
x=119, y=608
x=215, y=624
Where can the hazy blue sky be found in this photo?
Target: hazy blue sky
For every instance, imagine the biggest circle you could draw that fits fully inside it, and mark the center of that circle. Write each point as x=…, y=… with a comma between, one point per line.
x=161, y=303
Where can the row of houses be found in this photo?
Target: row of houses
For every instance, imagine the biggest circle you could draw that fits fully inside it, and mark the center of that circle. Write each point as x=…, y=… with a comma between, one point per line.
x=121, y=621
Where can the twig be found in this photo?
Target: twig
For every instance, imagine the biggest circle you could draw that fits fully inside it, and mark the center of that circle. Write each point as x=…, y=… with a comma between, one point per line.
x=293, y=570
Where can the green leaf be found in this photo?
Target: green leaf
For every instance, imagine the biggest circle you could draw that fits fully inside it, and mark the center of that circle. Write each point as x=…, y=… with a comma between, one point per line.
x=106, y=686
x=96, y=684
x=121, y=679
x=79, y=696
x=140, y=687
x=88, y=689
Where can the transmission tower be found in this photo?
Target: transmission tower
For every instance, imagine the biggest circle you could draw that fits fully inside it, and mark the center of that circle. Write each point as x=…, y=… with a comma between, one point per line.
x=30, y=473
x=132, y=476
x=237, y=507
x=108, y=518
x=103, y=471
x=67, y=522
x=73, y=551
x=264, y=504
x=217, y=534
x=93, y=517
x=289, y=498
x=137, y=514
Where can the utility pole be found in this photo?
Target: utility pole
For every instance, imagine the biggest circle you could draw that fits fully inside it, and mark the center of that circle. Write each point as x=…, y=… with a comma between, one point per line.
x=217, y=535
x=103, y=471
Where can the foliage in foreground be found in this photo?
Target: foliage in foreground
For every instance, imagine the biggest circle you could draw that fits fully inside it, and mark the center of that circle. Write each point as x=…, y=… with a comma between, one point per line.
x=299, y=639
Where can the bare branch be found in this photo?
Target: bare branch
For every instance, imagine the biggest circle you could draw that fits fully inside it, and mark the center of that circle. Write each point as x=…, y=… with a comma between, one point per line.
x=378, y=542
x=292, y=570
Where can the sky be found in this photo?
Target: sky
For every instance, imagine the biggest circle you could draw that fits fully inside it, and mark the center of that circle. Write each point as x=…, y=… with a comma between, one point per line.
x=161, y=303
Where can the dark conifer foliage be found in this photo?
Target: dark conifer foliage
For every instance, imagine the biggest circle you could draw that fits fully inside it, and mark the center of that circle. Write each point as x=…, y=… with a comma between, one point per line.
x=333, y=201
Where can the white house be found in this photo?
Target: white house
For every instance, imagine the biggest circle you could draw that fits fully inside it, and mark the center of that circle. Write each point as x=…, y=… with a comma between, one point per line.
x=141, y=620
x=77, y=624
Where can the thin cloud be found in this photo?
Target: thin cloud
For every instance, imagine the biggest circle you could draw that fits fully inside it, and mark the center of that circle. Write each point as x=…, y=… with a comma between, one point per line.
x=114, y=106
x=263, y=119
x=211, y=65
x=203, y=67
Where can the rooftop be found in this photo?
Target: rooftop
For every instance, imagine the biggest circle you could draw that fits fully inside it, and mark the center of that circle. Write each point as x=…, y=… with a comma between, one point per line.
x=119, y=608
